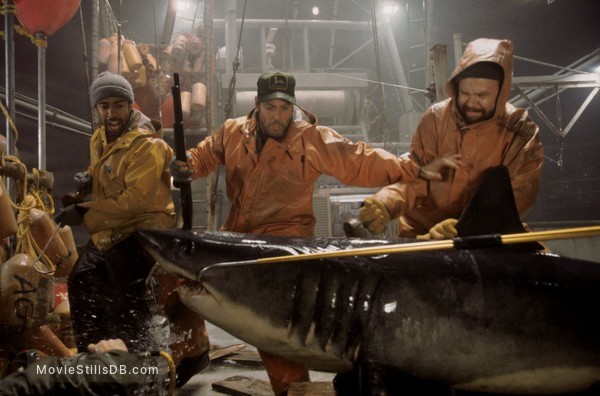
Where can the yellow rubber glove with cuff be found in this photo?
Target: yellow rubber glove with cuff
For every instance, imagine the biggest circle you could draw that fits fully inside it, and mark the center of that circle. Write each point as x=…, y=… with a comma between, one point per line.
x=374, y=215
x=443, y=230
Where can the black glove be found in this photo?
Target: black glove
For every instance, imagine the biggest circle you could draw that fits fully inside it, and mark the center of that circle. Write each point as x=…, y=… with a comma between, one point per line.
x=180, y=173
x=83, y=183
x=72, y=215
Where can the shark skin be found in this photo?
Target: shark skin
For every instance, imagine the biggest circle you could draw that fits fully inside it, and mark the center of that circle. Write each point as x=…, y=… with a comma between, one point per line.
x=494, y=320
x=503, y=319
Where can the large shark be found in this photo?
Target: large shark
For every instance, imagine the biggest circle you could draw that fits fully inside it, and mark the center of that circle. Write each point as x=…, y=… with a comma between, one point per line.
x=482, y=316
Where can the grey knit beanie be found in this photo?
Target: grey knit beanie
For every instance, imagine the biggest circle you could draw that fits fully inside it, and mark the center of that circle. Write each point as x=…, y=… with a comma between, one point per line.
x=108, y=84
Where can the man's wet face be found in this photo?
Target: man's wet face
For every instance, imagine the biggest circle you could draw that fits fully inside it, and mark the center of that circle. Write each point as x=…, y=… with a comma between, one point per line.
x=274, y=117
x=477, y=99
x=114, y=113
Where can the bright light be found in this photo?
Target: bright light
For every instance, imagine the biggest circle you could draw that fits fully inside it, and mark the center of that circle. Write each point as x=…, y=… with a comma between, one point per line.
x=315, y=10
x=182, y=5
x=390, y=8
x=597, y=69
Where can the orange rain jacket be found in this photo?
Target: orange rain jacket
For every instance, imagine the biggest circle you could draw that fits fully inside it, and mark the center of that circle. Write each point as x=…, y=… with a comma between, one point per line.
x=509, y=138
x=131, y=183
x=273, y=193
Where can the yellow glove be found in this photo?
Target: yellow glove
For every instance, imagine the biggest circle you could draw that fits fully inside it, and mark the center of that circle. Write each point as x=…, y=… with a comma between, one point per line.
x=374, y=215
x=443, y=230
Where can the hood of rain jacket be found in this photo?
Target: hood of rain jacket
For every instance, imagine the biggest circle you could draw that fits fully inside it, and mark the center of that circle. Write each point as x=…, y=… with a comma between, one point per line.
x=508, y=138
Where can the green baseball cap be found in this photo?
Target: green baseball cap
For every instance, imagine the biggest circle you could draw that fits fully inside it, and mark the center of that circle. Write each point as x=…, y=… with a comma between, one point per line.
x=276, y=85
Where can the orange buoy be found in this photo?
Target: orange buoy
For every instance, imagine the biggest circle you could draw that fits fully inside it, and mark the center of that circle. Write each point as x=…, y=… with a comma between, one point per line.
x=166, y=110
x=198, y=96
x=45, y=16
x=186, y=103
x=195, y=45
x=179, y=48
x=197, y=64
x=64, y=268
x=19, y=291
x=132, y=55
x=143, y=48
x=8, y=225
x=42, y=230
x=3, y=252
x=151, y=63
x=113, y=65
x=103, y=50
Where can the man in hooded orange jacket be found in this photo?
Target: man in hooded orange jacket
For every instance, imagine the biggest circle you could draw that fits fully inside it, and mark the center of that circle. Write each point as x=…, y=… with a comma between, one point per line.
x=477, y=123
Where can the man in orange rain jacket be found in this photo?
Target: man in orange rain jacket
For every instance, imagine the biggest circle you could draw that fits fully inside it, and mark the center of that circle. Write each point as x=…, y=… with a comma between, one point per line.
x=477, y=123
x=272, y=158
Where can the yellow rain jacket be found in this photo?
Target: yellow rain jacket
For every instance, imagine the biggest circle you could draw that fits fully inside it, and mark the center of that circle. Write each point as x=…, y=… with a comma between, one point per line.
x=131, y=183
x=509, y=138
x=273, y=193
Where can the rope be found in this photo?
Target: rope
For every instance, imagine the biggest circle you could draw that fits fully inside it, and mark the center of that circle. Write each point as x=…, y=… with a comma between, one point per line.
x=37, y=41
x=172, y=368
x=10, y=121
x=26, y=243
x=34, y=197
x=8, y=9
x=172, y=371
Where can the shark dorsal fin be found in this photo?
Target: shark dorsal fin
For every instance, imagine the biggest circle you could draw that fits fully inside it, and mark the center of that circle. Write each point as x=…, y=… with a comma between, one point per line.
x=492, y=209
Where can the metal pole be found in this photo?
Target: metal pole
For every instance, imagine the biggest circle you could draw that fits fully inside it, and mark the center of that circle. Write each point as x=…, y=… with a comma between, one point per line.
x=41, y=40
x=440, y=71
x=9, y=49
x=445, y=244
x=230, y=37
x=306, y=55
x=94, y=39
x=458, y=49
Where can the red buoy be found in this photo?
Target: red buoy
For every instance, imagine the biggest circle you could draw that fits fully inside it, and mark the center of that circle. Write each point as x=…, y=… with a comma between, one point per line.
x=45, y=16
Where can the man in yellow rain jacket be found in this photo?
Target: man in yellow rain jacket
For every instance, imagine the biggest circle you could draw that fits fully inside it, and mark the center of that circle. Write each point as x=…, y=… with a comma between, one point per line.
x=131, y=190
x=477, y=123
x=272, y=158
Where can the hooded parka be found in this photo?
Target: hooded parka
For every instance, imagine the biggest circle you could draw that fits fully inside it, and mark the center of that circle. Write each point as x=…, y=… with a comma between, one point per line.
x=131, y=184
x=272, y=193
x=509, y=138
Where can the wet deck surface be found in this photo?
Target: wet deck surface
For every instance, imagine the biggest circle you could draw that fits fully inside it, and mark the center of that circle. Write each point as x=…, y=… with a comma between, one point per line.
x=222, y=368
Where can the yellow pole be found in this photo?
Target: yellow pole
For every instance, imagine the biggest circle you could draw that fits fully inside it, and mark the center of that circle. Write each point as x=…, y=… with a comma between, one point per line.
x=436, y=245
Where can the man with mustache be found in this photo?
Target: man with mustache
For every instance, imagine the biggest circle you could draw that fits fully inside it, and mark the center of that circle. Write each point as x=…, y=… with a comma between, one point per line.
x=477, y=123
x=130, y=186
x=272, y=158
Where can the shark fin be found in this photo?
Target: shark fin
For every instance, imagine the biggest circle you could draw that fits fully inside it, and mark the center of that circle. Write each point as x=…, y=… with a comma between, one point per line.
x=492, y=209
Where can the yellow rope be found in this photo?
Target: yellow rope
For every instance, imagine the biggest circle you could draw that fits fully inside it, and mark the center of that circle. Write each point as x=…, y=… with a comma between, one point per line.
x=25, y=241
x=172, y=371
x=34, y=196
x=10, y=121
x=8, y=9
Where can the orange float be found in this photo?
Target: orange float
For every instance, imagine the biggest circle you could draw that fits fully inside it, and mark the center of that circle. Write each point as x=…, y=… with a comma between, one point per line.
x=8, y=225
x=168, y=118
x=42, y=231
x=198, y=96
x=45, y=16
